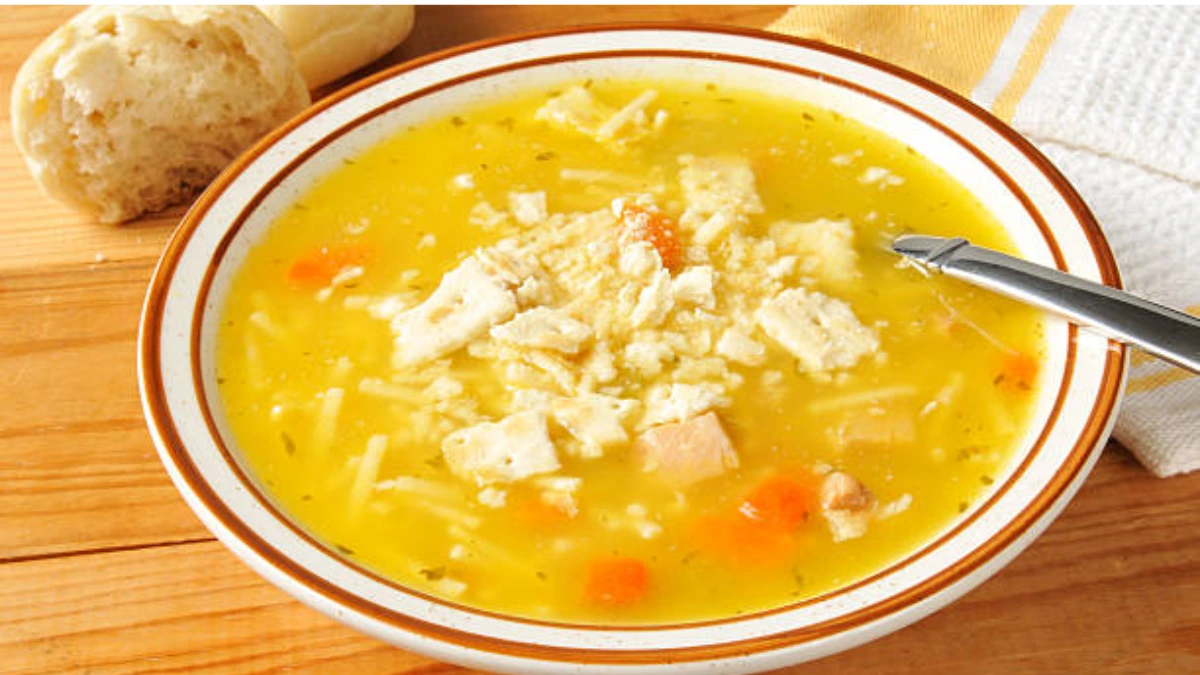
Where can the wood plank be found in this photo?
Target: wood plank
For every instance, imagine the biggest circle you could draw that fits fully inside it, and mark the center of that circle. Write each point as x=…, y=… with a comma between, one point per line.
x=79, y=470
x=104, y=570
x=1111, y=588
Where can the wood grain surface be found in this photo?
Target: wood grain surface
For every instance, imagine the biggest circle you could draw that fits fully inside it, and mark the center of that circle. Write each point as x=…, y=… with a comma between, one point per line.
x=103, y=569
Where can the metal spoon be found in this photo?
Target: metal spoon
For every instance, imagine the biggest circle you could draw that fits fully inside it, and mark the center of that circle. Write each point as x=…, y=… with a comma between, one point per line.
x=1166, y=333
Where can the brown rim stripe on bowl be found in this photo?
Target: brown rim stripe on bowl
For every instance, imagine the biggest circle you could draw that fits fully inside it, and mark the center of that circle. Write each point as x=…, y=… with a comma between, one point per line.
x=341, y=131
x=162, y=421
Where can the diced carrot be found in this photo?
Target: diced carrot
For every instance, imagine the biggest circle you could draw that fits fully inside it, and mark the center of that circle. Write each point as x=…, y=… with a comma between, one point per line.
x=736, y=539
x=616, y=581
x=780, y=503
x=319, y=267
x=539, y=515
x=1019, y=370
x=653, y=226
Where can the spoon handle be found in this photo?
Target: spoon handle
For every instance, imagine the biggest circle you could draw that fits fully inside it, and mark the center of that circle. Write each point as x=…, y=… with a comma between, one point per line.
x=1164, y=332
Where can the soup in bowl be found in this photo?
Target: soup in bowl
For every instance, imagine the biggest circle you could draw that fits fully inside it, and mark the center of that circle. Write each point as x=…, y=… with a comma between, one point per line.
x=587, y=350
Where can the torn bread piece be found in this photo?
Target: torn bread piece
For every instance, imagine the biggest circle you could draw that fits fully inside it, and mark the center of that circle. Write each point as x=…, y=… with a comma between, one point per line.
x=469, y=300
x=578, y=109
x=545, y=328
x=595, y=420
x=821, y=332
x=514, y=448
x=721, y=184
x=825, y=247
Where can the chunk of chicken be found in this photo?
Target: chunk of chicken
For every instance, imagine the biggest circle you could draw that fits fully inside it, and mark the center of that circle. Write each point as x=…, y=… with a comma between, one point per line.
x=847, y=505
x=842, y=492
x=687, y=452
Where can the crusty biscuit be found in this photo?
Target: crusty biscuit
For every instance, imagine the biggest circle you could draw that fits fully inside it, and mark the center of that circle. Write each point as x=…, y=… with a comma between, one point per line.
x=332, y=41
x=126, y=110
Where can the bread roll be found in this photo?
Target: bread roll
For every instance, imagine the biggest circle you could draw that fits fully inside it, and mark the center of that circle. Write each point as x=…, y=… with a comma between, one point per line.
x=332, y=41
x=126, y=110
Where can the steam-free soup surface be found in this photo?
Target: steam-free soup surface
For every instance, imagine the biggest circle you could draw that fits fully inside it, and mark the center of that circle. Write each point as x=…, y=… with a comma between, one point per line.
x=624, y=352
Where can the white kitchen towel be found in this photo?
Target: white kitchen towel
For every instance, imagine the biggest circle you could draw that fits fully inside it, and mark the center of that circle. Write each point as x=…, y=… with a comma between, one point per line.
x=1112, y=96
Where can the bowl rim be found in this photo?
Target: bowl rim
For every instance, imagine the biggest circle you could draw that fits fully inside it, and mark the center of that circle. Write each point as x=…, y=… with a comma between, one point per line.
x=174, y=453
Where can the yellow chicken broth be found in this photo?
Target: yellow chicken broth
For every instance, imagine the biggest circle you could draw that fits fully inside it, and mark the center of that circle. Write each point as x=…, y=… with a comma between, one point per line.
x=279, y=348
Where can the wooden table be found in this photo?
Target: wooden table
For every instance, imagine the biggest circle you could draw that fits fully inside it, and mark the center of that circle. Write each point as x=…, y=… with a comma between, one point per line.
x=103, y=569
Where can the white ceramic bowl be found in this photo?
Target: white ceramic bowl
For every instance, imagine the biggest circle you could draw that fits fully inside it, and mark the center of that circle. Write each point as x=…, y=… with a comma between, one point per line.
x=1046, y=218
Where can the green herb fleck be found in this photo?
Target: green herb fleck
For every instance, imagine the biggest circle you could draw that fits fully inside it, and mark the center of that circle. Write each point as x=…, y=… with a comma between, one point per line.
x=457, y=121
x=709, y=86
x=541, y=575
x=986, y=480
x=289, y=446
x=962, y=507
x=343, y=549
x=807, y=117
x=433, y=573
x=544, y=156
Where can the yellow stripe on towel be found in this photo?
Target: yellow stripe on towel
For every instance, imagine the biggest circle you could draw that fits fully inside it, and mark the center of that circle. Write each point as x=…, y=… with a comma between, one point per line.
x=1158, y=380
x=1027, y=68
x=951, y=45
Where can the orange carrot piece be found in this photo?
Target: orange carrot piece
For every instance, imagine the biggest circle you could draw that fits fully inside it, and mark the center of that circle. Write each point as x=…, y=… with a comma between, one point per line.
x=616, y=581
x=319, y=267
x=653, y=226
x=1019, y=370
x=539, y=515
x=780, y=503
x=738, y=540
